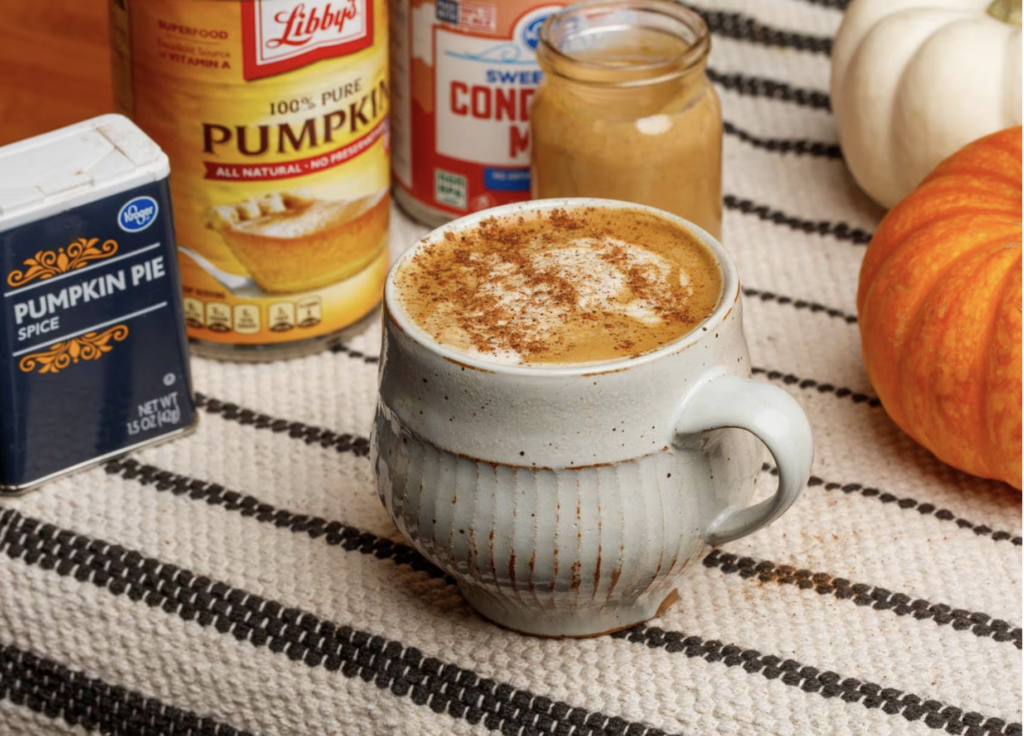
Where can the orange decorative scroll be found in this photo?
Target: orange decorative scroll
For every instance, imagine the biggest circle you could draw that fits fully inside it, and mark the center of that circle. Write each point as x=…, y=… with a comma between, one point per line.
x=90, y=346
x=49, y=263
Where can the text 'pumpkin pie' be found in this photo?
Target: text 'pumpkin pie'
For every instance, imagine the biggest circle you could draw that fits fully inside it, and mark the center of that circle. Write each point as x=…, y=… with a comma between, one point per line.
x=290, y=241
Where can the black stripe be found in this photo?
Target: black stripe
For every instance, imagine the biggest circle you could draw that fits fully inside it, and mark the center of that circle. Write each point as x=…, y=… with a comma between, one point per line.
x=837, y=230
x=372, y=359
x=360, y=446
x=925, y=509
x=403, y=670
x=311, y=435
x=834, y=4
x=748, y=86
x=933, y=713
x=46, y=687
x=796, y=146
x=346, y=350
x=825, y=388
x=334, y=533
x=768, y=296
x=880, y=599
x=743, y=27
x=352, y=539
x=301, y=636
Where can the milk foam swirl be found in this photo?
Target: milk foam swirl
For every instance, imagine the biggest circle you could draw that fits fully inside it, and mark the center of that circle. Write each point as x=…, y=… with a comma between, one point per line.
x=561, y=289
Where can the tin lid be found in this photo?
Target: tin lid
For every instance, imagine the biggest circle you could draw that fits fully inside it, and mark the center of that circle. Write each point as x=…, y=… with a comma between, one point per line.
x=72, y=166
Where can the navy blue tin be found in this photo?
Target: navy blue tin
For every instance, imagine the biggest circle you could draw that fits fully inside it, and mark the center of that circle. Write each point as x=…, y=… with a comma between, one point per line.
x=95, y=359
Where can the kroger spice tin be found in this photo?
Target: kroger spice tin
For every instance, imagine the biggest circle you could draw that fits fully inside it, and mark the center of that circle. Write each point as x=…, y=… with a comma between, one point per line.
x=93, y=355
x=274, y=116
x=463, y=74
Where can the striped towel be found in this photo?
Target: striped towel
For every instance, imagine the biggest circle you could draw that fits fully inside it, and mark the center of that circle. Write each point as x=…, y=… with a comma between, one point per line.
x=246, y=580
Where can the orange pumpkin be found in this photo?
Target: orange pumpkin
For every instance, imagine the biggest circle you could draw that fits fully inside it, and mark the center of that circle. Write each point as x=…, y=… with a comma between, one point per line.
x=939, y=306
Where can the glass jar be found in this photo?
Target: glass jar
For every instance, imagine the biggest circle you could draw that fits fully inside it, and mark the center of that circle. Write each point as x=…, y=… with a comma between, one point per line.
x=626, y=110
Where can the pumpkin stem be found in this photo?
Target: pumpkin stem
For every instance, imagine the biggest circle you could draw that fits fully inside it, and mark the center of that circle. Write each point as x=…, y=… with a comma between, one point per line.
x=1007, y=11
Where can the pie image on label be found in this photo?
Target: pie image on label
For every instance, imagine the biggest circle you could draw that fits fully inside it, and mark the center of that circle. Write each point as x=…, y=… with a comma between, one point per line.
x=290, y=241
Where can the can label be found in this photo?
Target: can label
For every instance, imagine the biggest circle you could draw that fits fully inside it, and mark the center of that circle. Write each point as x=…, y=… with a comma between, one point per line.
x=274, y=114
x=93, y=344
x=463, y=76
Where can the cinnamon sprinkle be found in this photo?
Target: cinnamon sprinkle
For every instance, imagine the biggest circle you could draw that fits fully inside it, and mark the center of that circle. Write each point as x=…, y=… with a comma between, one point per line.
x=566, y=286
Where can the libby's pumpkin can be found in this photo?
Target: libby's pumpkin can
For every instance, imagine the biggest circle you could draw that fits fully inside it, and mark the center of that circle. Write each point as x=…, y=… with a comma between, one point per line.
x=274, y=114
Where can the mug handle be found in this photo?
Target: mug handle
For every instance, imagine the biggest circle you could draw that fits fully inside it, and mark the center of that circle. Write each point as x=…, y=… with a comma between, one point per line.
x=775, y=418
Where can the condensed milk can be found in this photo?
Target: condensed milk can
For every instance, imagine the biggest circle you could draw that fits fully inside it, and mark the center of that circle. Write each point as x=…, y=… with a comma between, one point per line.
x=93, y=355
x=463, y=76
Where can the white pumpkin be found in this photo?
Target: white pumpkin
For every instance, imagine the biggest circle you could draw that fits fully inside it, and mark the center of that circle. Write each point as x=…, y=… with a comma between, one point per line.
x=913, y=81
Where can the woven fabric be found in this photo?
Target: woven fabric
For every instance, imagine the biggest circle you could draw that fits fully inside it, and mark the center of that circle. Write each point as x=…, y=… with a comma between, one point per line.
x=247, y=579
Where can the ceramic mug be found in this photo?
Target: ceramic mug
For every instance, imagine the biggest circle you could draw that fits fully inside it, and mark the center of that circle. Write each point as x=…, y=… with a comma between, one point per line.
x=568, y=500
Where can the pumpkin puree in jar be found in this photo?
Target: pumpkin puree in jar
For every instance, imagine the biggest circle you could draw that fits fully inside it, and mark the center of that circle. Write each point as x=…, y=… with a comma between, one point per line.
x=626, y=112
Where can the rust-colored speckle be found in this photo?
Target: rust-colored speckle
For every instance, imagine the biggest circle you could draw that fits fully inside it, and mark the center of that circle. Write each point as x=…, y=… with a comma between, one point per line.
x=494, y=464
x=564, y=636
x=532, y=586
x=731, y=306
x=464, y=366
x=604, y=373
x=494, y=569
x=661, y=561
x=597, y=571
x=616, y=574
x=576, y=579
x=667, y=603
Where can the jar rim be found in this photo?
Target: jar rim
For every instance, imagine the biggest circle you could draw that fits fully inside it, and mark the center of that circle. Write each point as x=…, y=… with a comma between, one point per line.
x=599, y=73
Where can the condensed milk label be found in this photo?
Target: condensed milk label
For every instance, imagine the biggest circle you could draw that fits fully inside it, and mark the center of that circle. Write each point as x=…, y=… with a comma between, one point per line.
x=274, y=114
x=464, y=74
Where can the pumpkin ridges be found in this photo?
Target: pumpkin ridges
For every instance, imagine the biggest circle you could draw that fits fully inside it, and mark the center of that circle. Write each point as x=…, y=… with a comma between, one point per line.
x=991, y=158
x=1011, y=183
x=942, y=363
x=971, y=179
x=865, y=149
x=892, y=299
x=1008, y=141
x=903, y=97
x=1003, y=392
x=941, y=199
x=979, y=231
x=939, y=303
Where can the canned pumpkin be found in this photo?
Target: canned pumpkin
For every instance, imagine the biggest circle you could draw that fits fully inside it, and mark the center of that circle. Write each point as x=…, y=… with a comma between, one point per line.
x=274, y=114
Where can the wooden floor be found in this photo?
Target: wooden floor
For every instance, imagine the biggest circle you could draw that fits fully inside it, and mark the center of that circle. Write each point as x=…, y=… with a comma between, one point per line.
x=54, y=65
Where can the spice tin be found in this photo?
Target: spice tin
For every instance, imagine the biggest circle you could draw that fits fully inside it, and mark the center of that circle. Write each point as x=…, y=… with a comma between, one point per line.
x=463, y=74
x=274, y=114
x=94, y=355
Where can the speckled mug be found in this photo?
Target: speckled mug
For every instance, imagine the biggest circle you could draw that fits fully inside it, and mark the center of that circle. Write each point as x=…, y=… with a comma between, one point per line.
x=567, y=501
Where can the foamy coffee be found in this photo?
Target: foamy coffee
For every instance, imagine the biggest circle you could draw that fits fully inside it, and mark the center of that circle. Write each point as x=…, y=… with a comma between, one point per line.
x=565, y=286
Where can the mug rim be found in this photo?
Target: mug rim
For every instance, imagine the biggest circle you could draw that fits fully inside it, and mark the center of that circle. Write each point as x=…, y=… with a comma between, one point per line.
x=727, y=300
